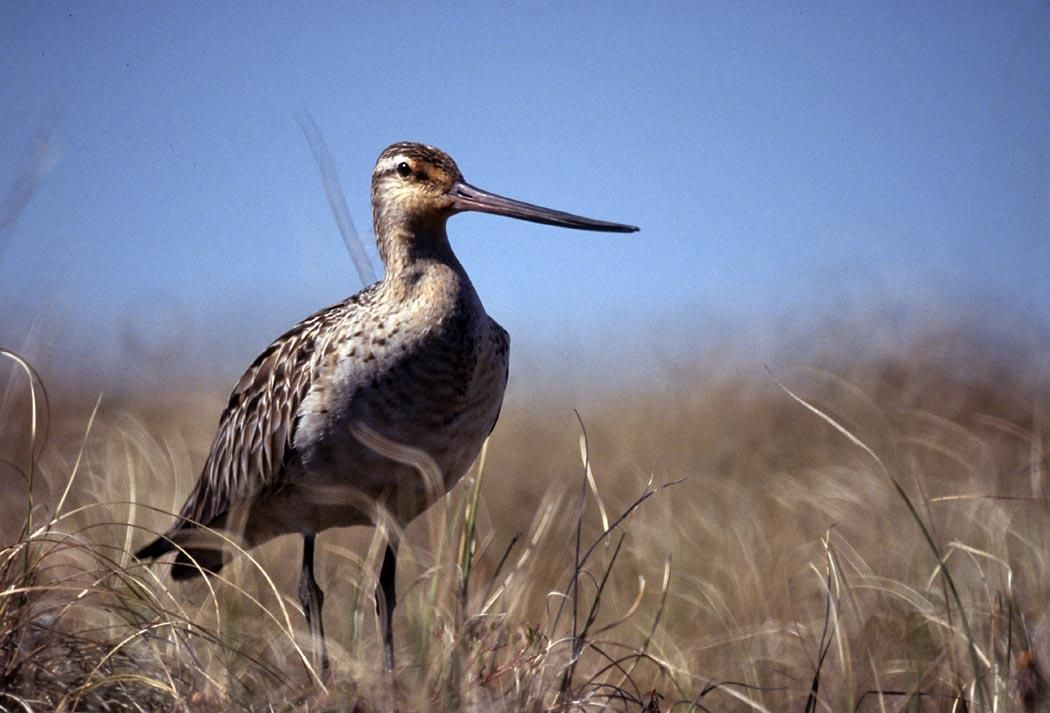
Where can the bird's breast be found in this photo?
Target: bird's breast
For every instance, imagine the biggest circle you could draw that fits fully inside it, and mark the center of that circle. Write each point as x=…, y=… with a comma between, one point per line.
x=432, y=386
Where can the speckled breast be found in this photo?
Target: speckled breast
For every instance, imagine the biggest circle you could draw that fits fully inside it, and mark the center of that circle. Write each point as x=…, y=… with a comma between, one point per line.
x=405, y=431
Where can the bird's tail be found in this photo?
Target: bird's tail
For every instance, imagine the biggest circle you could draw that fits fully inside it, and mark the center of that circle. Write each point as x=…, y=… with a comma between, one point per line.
x=189, y=563
x=157, y=548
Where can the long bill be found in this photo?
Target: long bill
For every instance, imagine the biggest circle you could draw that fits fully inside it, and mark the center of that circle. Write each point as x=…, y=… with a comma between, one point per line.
x=468, y=197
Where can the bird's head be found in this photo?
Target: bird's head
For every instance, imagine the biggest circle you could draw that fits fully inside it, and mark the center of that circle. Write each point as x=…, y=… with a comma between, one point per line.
x=420, y=187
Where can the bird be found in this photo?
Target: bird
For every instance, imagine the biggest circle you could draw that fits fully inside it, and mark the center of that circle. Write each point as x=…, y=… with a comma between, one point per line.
x=368, y=409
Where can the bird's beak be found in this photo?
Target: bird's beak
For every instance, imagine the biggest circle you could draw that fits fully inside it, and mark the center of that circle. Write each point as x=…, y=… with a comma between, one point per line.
x=467, y=197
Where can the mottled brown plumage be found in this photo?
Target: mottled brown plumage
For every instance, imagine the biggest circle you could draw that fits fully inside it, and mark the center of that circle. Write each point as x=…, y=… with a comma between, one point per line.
x=375, y=405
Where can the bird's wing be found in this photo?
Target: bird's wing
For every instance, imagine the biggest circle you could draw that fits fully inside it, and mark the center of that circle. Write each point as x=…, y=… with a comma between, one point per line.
x=257, y=429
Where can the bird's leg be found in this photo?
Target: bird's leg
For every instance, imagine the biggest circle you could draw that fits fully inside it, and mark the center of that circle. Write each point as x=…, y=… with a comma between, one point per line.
x=312, y=599
x=386, y=600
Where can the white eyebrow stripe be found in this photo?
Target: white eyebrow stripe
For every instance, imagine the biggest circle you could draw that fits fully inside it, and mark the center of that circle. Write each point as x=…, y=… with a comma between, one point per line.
x=388, y=163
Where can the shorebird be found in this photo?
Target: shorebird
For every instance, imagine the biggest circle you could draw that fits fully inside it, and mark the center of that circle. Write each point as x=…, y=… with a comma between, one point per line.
x=370, y=408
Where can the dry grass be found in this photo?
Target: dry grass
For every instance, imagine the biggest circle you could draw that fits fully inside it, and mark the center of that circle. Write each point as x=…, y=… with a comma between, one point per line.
x=853, y=534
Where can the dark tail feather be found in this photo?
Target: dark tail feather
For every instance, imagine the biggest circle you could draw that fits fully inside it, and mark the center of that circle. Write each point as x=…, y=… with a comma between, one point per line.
x=188, y=564
x=157, y=548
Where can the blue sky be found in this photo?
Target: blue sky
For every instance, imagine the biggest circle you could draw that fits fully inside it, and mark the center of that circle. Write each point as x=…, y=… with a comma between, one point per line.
x=783, y=161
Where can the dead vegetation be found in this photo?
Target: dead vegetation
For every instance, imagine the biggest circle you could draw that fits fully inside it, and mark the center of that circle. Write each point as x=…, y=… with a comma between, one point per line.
x=851, y=534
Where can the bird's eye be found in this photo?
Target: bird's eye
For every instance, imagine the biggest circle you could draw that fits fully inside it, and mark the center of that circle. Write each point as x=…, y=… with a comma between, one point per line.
x=404, y=170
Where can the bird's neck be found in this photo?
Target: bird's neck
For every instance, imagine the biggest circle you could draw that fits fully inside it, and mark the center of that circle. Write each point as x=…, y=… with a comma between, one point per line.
x=413, y=255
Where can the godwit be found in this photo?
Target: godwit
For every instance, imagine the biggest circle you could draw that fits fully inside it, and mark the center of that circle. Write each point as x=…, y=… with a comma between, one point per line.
x=375, y=405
